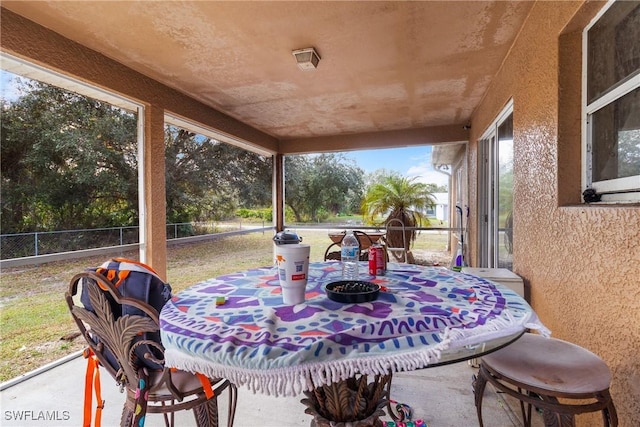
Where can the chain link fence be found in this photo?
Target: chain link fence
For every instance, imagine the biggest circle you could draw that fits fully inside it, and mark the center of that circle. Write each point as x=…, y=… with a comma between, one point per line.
x=20, y=245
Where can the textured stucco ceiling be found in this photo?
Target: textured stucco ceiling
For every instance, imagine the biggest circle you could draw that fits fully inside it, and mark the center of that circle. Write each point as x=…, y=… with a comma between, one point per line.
x=385, y=65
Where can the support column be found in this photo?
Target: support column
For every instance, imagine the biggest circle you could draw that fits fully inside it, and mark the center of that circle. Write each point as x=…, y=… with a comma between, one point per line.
x=155, y=198
x=278, y=191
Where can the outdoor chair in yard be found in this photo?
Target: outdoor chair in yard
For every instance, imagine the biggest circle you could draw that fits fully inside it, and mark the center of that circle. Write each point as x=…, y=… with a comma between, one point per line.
x=558, y=377
x=128, y=347
x=364, y=240
x=398, y=247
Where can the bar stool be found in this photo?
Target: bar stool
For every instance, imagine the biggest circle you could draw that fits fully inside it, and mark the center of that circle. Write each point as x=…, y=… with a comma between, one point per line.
x=538, y=371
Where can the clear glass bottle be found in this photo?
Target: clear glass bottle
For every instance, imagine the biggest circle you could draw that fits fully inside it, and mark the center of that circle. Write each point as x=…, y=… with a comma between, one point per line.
x=349, y=254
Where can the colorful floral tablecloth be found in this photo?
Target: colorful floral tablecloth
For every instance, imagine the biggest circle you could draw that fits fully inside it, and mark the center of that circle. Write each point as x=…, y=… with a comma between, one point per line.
x=254, y=339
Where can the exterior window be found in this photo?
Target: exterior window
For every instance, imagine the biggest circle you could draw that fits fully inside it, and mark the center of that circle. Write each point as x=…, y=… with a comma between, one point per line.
x=612, y=104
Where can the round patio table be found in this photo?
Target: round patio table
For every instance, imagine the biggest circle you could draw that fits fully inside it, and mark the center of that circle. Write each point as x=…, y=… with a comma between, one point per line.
x=236, y=327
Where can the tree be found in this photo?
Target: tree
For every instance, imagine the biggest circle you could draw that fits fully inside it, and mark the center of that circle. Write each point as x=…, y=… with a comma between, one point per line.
x=249, y=174
x=209, y=179
x=397, y=197
x=296, y=169
x=67, y=162
x=328, y=183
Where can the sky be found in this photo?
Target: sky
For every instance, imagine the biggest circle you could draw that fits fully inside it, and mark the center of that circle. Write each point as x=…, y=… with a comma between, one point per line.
x=408, y=161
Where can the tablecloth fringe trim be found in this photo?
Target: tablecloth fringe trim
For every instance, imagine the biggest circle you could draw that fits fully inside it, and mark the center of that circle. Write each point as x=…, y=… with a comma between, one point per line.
x=292, y=381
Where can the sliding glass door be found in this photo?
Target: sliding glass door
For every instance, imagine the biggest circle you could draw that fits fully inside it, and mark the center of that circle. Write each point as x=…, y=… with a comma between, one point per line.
x=496, y=193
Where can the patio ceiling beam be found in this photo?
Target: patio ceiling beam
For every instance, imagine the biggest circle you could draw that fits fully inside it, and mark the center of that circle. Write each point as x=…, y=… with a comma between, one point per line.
x=376, y=140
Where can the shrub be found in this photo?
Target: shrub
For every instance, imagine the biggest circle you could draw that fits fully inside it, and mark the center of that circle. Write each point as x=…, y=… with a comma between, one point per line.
x=261, y=213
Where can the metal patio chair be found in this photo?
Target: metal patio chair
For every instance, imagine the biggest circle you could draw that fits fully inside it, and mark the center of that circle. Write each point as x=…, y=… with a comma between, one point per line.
x=114, y=340
x=400, y=253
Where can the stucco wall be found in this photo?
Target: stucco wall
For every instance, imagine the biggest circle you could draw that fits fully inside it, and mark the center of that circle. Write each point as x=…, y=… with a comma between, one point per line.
x=581, y=262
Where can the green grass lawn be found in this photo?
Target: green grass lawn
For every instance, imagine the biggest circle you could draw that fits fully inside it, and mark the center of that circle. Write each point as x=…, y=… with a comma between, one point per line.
x=36, y=328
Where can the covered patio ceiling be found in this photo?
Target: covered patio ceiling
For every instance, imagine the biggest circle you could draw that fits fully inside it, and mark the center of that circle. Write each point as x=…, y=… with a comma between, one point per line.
x=418, y=68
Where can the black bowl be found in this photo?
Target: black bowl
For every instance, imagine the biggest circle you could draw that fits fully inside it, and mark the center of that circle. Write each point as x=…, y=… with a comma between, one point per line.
x=352, y=291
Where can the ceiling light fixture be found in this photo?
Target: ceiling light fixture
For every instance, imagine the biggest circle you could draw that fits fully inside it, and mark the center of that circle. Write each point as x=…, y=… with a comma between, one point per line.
x=307, y=58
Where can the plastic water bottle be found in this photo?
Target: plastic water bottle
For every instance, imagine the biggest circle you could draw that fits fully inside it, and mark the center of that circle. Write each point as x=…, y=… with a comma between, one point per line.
x=350, y=249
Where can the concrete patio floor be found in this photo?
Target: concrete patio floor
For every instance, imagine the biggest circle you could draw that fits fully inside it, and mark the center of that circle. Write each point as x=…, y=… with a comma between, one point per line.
x=441, y=396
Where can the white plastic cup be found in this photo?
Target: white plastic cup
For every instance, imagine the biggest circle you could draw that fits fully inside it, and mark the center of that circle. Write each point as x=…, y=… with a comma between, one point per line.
x=293, y=271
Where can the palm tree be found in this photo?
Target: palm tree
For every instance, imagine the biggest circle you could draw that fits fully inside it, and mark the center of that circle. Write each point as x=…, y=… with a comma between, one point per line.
x=400, y=198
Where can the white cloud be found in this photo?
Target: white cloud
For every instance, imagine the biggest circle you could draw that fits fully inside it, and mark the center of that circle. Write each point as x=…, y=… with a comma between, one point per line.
x=9, y=86
x=425, y=173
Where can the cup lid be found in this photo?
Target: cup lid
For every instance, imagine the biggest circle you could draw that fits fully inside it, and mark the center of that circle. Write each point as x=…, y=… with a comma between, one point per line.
x=286, y=238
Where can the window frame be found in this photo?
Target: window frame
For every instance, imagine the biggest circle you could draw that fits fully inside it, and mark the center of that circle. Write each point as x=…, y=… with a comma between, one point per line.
x=489, y=242
x=618, y=190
